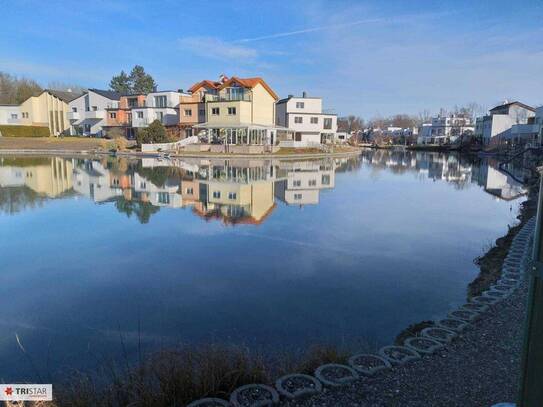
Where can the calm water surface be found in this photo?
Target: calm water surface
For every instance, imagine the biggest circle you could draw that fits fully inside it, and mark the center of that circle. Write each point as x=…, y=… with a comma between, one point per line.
x=272, y=254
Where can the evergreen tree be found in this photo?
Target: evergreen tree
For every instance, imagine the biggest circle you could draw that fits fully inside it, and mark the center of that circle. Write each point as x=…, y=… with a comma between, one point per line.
x=121, y=83
x=154, y=133
x=141, y=81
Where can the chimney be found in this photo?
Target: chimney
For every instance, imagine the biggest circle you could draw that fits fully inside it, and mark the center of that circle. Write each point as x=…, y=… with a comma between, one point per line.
x=304, y=94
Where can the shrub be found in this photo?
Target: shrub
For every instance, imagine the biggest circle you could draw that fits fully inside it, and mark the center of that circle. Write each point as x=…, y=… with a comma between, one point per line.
x=24, y=131
x=114, y=132
x=155, y=133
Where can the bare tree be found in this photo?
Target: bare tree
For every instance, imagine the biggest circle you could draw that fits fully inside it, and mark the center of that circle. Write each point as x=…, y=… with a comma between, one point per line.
x=14, y=90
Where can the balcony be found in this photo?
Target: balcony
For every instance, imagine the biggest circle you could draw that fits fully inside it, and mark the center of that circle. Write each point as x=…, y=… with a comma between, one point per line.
x=95, y=114
x=73, y=115
x=244, y=97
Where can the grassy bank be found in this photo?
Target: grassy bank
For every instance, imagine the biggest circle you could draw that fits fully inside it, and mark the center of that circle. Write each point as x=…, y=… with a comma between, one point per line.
x=175, y=377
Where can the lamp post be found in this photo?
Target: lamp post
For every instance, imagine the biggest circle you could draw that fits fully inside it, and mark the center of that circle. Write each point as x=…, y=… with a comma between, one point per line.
x=531, y=386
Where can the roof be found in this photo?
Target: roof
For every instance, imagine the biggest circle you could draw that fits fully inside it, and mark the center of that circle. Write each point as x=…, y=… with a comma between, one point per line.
x=513, y=103
x=110, y=94
x=297, y=97
x=249, y=83
x=63, y=95
x=205, y=83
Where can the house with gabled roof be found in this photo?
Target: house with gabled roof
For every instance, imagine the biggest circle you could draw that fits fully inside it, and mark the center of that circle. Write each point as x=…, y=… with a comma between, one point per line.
x=46, y=109
x=240, y=114
x=496, y=126
x=88, y=113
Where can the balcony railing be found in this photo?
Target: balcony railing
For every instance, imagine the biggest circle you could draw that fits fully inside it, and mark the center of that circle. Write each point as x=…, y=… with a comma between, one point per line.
x=73, y=115
x=95, y=114
x=245, y=97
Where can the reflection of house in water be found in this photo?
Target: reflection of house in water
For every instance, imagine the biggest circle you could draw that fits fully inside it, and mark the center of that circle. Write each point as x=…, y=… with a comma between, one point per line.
x=92, y=179
x=303, y=181
x=236, y=192
x=50, y=177
x=503, y=185
x=163, y=195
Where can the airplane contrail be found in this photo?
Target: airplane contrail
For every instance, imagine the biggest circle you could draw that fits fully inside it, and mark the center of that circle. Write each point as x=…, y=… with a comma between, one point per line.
x=309, y=30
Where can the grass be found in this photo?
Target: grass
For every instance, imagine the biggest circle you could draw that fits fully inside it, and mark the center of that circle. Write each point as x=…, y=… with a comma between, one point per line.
x=175, y=377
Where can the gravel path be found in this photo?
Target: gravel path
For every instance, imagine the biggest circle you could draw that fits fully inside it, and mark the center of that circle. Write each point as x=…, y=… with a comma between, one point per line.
x=479, y=368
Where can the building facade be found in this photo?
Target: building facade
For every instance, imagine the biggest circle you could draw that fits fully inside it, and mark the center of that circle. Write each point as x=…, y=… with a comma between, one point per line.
x=495, y=127
x=162, y=106
x=89, y=113
x=445, y=129
x=304, y=116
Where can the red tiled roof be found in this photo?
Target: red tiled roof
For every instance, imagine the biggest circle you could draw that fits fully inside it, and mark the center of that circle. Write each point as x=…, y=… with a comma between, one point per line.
x=249, y=83
x=205, y=83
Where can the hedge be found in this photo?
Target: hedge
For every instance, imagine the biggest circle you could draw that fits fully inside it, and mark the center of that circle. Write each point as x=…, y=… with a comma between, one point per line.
x=24, y=131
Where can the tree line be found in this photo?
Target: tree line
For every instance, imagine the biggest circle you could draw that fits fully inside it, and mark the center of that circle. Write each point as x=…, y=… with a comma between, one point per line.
x=354, y=123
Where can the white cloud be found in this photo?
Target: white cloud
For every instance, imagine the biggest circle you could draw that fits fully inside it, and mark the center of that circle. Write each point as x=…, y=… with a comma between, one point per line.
x=212, y=47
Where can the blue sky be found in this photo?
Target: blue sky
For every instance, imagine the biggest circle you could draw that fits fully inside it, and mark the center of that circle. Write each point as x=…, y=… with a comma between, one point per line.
x=368, y=58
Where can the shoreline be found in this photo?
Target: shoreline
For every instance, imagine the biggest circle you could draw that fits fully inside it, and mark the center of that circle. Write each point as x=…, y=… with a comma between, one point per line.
x=139, y=155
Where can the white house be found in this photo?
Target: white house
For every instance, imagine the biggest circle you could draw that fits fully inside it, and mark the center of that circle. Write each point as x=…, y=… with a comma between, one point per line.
x=444, y=129
x=10, y=114
x=87, y=113
x=162, y=106
x=496, y=126
x=305, y=117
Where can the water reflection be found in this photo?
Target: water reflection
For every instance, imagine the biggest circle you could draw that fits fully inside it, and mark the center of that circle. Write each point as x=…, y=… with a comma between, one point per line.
x=233, y=191
x=385, y=239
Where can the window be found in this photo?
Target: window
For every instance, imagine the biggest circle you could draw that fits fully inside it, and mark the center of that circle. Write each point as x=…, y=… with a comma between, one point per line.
x=188, y=112
x=140, y=115
x=312, y=182
x=87, y=128
x=232, y=111
x=160, y=101
x=143, y=185
x=94, y=108
x=215, y=111
x=202, y=112
x=314, y=120
x=328, y=123
x=325, y=180
x=189, y=191
x=298, y=119
x=297, y=197
x=132, y=102
x=159, y=115
x=14, y=115
x=216, y=194
x=163, y=198
x=300, y=105
x=113, y=115
x=297, y=183
x=232, y=195
x=74, y=109
x=25, y=115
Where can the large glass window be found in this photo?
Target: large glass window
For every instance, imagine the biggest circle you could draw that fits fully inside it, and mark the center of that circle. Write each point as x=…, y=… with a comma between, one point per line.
x=160, y=101
x=328, y=123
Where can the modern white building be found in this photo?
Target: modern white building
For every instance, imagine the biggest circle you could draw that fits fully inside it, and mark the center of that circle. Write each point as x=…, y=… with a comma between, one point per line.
x=162, y=106
x=10, y=114
x=444, y=129
x=496, y=126
x=87, y=114
x=305, y=117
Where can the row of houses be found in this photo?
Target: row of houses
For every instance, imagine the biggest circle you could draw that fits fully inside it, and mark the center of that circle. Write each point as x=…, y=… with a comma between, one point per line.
x=510, y=123
x=231, y=111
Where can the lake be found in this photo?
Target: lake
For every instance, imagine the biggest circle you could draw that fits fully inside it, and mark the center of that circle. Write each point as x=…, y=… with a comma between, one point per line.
x=103, y=254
